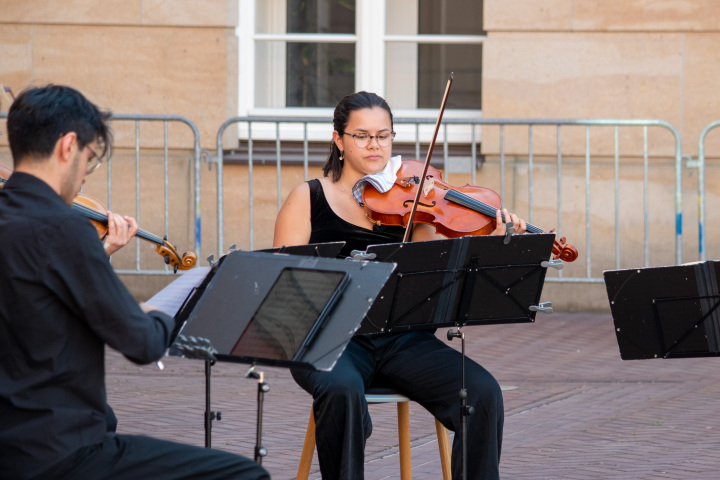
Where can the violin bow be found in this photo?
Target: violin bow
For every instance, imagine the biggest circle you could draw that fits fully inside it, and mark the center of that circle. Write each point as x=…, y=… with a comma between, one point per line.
x=408, y=228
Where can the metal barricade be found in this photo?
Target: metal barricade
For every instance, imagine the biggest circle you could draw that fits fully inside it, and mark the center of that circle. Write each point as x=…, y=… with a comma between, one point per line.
x=507, y=161
x=499, y=163
x=702, y=198
x=133, y=149
x=192, y=189
x=219, y=158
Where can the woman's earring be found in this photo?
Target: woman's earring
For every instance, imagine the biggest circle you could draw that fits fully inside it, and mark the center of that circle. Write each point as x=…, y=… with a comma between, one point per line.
x=341, y=156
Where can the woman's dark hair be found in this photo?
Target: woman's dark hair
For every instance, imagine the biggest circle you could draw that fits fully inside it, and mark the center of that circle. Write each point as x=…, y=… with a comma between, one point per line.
x=39, y=116
x=350, y=103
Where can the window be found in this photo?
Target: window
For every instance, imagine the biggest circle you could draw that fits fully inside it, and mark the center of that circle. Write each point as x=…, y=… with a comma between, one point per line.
x=318, y=74
x=442, y=37
x=304, y=53
x=310, y=53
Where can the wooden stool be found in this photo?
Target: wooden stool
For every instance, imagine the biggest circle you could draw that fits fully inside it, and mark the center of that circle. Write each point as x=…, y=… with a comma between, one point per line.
x=384, y=395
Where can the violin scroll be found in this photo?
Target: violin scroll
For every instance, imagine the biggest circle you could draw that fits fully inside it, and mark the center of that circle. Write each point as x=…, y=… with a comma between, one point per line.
x=172, y=258
x=563, y=250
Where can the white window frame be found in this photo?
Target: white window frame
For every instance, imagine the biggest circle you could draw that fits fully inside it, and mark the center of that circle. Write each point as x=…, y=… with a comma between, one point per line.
x=370, y=57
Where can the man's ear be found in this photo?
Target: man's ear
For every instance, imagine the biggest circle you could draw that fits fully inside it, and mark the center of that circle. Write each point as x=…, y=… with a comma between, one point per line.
x=66, y=146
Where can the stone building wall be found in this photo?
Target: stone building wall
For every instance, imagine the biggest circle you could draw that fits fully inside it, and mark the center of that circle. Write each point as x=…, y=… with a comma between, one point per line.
x=548, y=59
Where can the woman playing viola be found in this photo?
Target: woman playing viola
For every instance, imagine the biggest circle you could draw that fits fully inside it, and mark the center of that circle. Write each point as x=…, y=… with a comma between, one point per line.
x=416, y=363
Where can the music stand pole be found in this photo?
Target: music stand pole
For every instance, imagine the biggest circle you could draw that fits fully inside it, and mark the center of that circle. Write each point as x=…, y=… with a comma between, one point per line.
x=263, y=387
x=209, y=414
x=465, y=411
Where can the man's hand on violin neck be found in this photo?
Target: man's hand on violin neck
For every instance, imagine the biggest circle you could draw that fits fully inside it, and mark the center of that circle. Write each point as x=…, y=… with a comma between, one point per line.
x=121, y=230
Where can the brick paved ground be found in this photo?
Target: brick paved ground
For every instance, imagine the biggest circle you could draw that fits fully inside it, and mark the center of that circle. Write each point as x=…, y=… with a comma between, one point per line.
x=573, y=409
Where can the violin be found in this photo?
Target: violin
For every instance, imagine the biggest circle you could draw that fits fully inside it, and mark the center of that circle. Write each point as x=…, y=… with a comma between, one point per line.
x=96, y=212
x=453, y=211
x=393, y=206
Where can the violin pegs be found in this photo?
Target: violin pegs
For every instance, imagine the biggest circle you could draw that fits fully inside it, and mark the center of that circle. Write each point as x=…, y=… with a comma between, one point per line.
x=167, y=259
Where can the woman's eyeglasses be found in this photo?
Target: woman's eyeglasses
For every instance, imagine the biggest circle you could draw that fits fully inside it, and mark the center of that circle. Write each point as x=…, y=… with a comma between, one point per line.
x=362, y=140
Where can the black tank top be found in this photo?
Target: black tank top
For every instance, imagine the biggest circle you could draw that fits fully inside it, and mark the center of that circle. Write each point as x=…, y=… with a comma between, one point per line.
x=328, y=227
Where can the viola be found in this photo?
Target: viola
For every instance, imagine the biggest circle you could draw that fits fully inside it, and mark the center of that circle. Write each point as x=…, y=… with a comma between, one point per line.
x=96, y=212
x=453, y=211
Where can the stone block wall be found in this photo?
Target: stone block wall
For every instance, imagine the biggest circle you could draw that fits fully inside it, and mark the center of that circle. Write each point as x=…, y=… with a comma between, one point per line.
x=130, y=56
x=609, y=59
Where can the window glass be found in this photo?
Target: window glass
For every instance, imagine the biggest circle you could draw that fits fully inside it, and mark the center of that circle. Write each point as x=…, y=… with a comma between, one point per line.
x=321, y=16
x=436, y=62
x=401, y=17
x=450, y=17
x=319, y=74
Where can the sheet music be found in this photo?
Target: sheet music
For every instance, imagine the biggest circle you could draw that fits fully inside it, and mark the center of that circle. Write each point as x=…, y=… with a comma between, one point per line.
x=171, y=298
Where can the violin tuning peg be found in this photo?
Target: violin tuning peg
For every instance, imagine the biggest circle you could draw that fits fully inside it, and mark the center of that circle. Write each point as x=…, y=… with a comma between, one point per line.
x=167, y=259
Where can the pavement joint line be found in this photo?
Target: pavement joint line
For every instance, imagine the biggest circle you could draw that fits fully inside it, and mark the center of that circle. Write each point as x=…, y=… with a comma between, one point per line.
x=633, y=421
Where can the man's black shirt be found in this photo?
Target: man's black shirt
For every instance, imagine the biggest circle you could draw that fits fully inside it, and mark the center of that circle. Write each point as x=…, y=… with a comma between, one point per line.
x=60, y=303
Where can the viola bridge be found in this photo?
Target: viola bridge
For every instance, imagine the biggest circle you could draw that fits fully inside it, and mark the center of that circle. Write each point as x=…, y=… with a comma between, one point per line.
x=428, y=186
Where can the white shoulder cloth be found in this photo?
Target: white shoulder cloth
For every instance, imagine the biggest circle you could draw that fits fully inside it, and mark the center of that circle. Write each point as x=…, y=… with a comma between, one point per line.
x=382, y=181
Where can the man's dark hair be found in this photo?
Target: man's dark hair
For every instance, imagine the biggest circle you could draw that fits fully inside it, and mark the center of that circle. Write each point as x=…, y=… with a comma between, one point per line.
x=39, y=116
x=347, y=105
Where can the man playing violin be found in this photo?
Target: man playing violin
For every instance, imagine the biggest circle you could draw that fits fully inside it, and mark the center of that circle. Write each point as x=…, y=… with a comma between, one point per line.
x=62, y=302
x=415, y=364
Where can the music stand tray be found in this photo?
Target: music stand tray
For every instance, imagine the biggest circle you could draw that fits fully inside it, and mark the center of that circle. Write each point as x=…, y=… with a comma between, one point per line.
x=230, y=308
x=475, y=280
x=666, y=312
x=328, y=250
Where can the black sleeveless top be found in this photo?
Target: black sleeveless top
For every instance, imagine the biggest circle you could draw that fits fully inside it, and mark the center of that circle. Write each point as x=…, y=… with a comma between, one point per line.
x=328, y=227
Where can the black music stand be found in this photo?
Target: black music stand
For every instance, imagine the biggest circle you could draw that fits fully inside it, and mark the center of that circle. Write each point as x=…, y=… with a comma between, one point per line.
x=477, y=280
x=223, y=309
x=666, y=312
x=327, y=250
